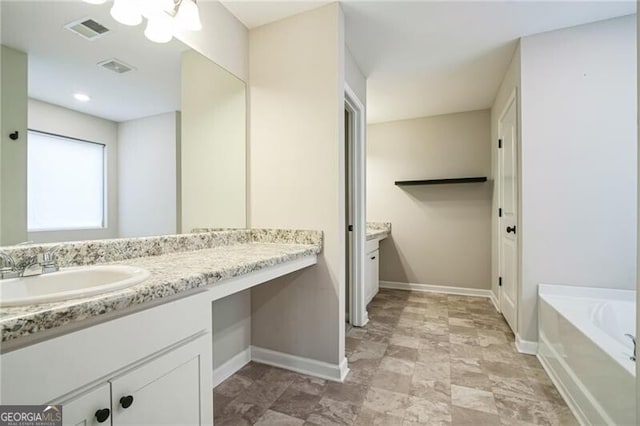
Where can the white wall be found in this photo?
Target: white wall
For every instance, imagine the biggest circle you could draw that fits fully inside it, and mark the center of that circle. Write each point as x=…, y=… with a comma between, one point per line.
x=510, y=83
x=231, y=326
x=441, y=233
x=147, y=175
x=51, y=118
x=213, y=146
x=13, y=154
x=223, y=38
x=579, y=134
x=638, y=223
x=354, y=77
x=297, y=176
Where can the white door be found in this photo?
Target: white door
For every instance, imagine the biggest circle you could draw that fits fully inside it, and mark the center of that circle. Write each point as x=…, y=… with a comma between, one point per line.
x=507, y=222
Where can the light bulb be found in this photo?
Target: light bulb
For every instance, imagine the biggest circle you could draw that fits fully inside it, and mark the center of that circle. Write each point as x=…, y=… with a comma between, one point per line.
x=82, y=97
x=126, y=12
x=188, y=17
x=159, y=28
x=151, y=8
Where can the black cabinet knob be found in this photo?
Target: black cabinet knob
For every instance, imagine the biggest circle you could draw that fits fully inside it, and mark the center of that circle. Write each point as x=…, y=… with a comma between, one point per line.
x=102, y=415
x=126, y=401
x=511, y=229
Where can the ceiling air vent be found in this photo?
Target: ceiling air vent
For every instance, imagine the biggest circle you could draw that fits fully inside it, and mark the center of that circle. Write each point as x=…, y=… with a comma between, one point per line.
x=87, y=28
x=116, y=65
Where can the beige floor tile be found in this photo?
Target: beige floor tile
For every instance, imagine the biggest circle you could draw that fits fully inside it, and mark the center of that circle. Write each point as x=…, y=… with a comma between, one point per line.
x=386, y=402
x=474, y=399
x=423, y=359
x=425, y=411
x=407, y=341
x=273, y=418
x=397, y=365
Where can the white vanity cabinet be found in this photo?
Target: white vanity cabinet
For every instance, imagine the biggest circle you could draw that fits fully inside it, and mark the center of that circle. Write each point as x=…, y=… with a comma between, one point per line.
x=149, y=367
x=164, y=390
x=88, y=409
x=371, y=276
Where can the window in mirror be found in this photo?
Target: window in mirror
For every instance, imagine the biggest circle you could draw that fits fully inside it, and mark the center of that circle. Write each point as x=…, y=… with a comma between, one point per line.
x=65, y=183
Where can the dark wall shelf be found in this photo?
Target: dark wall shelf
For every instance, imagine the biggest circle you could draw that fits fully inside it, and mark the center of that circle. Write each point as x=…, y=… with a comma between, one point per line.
x=441, y=181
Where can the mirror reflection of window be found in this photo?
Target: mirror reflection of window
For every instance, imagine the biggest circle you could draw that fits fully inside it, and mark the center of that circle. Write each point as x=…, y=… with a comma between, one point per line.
x=65, y=183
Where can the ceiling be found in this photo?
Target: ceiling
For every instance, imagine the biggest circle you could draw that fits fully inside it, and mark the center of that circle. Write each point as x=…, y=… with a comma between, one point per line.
x=62, y=63
x=424, y=58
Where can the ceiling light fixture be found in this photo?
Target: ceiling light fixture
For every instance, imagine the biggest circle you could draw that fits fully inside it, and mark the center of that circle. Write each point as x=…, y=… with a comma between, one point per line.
x=126, y=12
x=165, y=18
x=82, y=97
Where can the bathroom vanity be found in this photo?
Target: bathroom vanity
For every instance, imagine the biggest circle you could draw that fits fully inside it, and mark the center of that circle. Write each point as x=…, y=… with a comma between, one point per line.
x=376, y=232
x=121, y=356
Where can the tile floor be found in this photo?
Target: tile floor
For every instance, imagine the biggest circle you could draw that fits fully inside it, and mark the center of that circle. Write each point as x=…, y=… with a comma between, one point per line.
x=423, y=359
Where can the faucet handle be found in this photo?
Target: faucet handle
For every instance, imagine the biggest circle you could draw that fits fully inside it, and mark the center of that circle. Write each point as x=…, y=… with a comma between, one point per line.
x=8, y=267
x=633, y=339
x=6, y=261
x=50, y=255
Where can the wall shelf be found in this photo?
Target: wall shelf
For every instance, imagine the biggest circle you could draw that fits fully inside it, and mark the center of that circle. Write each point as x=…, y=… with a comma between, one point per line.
x=441, y=181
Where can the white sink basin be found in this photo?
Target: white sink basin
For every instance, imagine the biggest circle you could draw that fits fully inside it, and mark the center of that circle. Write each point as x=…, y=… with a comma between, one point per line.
x=69, y=283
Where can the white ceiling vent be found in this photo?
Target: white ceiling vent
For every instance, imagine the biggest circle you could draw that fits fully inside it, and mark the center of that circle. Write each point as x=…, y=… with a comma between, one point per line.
x=87, y=28
x=116, y=65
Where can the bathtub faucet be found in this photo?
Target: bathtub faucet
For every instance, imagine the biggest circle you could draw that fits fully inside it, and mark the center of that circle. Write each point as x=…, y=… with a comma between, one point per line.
x=633, y=339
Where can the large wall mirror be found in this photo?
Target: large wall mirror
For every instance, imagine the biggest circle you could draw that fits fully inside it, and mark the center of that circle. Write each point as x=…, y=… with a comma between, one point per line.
x=106, y=134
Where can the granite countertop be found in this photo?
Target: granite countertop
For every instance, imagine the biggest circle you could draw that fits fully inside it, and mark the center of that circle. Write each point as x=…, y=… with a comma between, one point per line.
x=171, y=274
x=378, y=230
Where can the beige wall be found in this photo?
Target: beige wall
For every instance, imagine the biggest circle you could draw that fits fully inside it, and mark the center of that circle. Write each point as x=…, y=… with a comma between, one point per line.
x=13, y=154
x=213, y=146
x=297, y=176
x=55, y=119
x=440, y=234
x=510, y=83
x=223, y=38
x=579, y=135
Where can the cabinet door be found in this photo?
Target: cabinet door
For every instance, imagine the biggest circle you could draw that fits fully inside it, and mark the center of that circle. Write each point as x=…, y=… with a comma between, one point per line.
x=375, y=273
x=371, y=275
x=166, y=390
x=88, y=408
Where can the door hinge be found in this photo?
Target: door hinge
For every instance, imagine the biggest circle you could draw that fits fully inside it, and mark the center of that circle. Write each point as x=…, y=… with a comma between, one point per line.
x=500, y=282
x=500, y=212
x=350, y=228
x=499, y=143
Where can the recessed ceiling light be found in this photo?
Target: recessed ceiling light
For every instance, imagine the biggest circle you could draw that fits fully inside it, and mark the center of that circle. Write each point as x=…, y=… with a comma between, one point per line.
x=81, y=97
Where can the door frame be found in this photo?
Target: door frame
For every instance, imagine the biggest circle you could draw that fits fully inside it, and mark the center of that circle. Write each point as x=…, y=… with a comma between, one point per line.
x=512, y=99
x=358, y=316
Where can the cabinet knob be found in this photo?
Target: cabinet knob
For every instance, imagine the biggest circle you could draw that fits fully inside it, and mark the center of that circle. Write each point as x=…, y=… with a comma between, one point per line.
x=102, y=415
x=126, y=401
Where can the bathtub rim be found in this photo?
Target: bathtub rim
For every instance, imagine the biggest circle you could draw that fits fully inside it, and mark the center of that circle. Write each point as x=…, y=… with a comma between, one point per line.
x=558, y=293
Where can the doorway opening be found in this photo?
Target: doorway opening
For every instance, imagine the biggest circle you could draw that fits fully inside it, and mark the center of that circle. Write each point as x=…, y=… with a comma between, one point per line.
x=355, y=213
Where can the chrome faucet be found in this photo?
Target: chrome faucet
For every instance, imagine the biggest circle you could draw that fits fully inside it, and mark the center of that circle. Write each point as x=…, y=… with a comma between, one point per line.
x=42, y=263
x=633, y=339
x=8, y=267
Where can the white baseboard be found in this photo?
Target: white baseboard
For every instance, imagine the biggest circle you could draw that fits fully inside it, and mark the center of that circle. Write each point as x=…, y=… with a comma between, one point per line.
x=232, y=366
x=302, y=365
x=494, y=300
x=526, y=346
x=461, y=291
